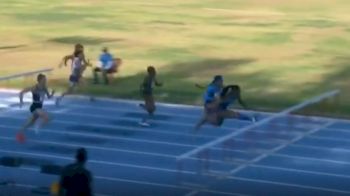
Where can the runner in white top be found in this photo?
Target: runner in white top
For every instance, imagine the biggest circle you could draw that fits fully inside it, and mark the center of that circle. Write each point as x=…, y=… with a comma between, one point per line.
x=77, y=69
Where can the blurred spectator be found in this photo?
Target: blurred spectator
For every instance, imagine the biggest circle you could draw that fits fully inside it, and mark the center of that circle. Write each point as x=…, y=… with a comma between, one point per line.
x=75, y=179
x=108, y=65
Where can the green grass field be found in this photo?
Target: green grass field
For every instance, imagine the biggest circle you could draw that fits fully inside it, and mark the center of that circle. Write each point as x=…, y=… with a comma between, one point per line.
x=280, y=52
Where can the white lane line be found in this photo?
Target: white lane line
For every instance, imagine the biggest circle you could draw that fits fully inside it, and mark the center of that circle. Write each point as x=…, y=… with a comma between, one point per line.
x=311, y=158
x=167, y=185
x=293, y=185
x=333, y=139
x=336, y=149
x=300, y=171
x=194, y=192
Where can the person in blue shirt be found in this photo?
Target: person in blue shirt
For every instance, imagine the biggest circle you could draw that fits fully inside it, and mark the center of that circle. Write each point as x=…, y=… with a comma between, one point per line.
x=210, y=97
x=219, y=108
x=108, y=66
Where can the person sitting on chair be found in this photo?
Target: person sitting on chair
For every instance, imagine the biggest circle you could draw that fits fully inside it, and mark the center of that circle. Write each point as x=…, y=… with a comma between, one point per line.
x=108, y=66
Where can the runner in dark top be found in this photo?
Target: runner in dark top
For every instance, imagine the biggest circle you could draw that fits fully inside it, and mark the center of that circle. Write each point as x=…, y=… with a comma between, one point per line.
x=147, y=93
x=38, y=94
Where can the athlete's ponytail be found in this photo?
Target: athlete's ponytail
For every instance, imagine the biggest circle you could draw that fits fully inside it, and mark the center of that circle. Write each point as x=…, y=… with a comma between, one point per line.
x=229, y=88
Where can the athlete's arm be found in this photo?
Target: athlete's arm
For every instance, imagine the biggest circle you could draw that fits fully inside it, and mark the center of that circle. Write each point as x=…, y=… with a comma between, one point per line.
x=25, y=90
x=66, y=59
x=214, y=104
x=157, y=83
x=84, y=60
x=199, y=86
x=216, y=92
x=49, y=96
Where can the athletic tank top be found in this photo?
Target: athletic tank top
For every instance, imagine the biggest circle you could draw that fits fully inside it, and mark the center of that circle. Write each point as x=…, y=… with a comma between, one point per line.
x=76, y=65
x=148, y=84
x=211, y=92
x=38, y=95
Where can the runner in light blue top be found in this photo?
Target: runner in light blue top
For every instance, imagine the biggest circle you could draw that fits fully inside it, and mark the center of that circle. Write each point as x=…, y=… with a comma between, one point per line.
x=219, y=109
x=210, y=97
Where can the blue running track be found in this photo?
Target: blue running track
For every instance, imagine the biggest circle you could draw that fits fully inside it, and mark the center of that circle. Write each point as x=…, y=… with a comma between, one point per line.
x=309, y=158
